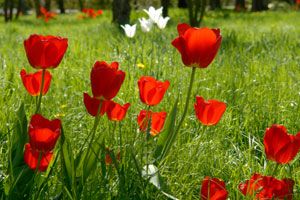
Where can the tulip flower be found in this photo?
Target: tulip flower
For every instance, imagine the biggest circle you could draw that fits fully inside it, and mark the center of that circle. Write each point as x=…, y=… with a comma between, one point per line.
x=106, y=80
x=209, y=112
x=197, y=46
x=157, y=121
x=129, y=30
x=154, y=14
x=46, y=14
x=146, y=25
x=91, y=13
x=92, y=105
x=108, y=159
x=213, y=189
x=116, y=112
x=45, y=52
x=43, y=133
x=162, y=22
x=33, y=82
x=35, y=159
x=151, y=90
x=267, y=187
x=280, y=146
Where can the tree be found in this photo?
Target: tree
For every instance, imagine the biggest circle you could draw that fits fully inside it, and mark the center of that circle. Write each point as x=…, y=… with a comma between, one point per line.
x=196, y=11
x=121, y=11
x=240, y=5
x=165, y=4
x=81, y=5
x=182, y=4
x=215, y=4
x=61, y=6
x=8, y=10
x=21, y=8
x=259, y=5
x=48, y=4
x=37, y=5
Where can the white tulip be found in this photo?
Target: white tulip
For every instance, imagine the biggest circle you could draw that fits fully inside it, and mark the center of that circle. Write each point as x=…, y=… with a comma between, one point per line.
x=162, y=22
x=154, y=14
x=129, y=30
x=146, y=24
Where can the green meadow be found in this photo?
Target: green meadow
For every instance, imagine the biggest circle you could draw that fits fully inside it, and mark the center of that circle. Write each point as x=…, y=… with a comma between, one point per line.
x=256, y=73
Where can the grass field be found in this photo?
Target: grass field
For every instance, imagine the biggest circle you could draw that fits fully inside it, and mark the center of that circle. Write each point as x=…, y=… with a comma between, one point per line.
x=256, y=72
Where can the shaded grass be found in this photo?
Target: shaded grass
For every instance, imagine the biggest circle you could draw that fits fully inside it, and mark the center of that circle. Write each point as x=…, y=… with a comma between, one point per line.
x=256, y=72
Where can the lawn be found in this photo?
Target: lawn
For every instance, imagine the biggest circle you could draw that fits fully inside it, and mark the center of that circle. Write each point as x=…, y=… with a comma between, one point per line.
x=256, y=73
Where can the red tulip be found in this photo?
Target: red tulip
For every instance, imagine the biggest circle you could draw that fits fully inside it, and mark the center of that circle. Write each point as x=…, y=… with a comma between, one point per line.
x=35, y=159
x=92, y=105
x=91, y=12
x=106, y=80
x=151, y=90
x=33, y=81
x=45, y=52
x=115, y=111
x=197, y=46
x=213, y=189
x=209, y=112
x=108, y=159
x=46, y=14
x=280, y=146
x=43, y=133
x=157, y=121
x=267, y=187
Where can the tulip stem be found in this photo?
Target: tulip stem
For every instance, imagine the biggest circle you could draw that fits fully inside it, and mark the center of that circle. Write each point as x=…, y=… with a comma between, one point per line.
x=38, y=106
x=187, y=100
x=275, y=169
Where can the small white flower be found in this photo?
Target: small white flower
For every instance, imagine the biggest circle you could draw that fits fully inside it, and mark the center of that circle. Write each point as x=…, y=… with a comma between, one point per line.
x=151, y=171
x=154, y=14
x=129, y=30
x=146, y=24
x=162, y=22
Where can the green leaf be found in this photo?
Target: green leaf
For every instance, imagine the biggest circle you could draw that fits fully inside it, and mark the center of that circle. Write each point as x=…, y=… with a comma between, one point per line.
x=167, y=136
x=19, y=137
x=90, y=159
x=67, y=161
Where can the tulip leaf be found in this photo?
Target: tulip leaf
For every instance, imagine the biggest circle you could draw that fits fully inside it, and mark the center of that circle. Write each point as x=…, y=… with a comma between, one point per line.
x=167, y=136
x=67, y=161
x=19, y=137
x=91, y=158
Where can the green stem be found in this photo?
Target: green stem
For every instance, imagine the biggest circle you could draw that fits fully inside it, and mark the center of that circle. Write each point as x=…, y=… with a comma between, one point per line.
x=187, y=100
x=275, y=169
x=38, y=106
x=120, y=139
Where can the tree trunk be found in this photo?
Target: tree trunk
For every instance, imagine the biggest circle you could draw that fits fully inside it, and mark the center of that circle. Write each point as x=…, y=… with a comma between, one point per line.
x=240, y=5
x=182, y=4
x=80, y=5
x=6, y=11
x=196, y=11
x=259, y=5
x=121, y=11
x=215, y=4
x=48, y=5
x=165, y=4
x=11, y=9
x=21, y=8
x=61, y=6
x=37, y=5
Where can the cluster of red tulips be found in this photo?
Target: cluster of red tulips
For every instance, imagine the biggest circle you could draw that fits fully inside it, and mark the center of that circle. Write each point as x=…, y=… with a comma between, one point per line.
x=43, y=52
x=198, y=47
x=46, y=15
x=90, y=13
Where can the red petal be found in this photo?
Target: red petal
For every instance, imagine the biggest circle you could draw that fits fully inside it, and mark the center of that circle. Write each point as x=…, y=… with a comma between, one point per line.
x=92, y=105
x=31, y=158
